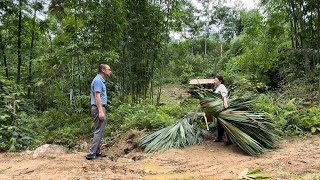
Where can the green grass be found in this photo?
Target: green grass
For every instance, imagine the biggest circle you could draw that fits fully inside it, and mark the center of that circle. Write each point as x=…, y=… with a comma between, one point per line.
x=172, y=94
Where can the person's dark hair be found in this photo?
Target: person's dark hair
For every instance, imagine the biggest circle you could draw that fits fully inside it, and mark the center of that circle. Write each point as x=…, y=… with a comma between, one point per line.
x=101, y=67
x=220, y=78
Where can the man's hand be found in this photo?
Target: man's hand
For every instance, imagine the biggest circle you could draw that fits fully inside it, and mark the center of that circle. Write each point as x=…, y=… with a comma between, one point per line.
x=99, y=106
x=101, y=116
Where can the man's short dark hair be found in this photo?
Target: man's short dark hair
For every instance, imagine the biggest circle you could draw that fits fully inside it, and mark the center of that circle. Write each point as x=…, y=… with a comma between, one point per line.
x=101, y=67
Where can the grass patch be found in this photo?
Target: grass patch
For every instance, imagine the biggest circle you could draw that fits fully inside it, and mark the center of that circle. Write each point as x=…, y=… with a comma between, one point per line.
x=172, y=94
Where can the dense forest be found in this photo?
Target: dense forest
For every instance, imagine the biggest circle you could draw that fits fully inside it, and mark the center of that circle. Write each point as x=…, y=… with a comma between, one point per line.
x=50, y=52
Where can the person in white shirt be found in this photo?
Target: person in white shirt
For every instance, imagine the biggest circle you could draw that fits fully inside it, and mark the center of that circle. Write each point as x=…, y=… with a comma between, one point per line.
x=222, y=90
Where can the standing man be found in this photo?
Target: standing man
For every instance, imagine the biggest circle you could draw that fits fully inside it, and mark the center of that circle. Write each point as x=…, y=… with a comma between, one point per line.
x=98, y=98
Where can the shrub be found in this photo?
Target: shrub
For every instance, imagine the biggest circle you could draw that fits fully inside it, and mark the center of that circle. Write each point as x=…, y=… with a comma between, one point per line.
x=149, y=116
x=15, y=125
x=289, y=117
x=63, y=127
x=141, y=116
x=308, y=119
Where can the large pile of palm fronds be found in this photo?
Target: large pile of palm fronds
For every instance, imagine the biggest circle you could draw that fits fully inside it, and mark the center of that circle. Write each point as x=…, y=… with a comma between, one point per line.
x=180, y=134
x=249, y=130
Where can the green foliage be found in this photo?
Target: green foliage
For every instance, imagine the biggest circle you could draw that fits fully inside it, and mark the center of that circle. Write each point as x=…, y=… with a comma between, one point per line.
x=139, y=116
x=244, y=85
x=229, y=19
x=173, y=111
x=179, y=111
x=259, y=53
x=16, y=131
x=308, y=119
x=188, y=67
x=63, y=127
x=289, y=117
x=291, y=64
x=188, y=60
x=253, y=174
x=145, y=115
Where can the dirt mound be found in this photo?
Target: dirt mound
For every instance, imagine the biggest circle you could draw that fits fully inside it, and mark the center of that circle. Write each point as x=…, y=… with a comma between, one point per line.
x=124, y=144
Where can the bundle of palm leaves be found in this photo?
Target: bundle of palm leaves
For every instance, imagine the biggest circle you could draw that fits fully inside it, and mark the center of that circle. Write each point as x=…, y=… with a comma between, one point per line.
x=251, y=131
x=178, y=135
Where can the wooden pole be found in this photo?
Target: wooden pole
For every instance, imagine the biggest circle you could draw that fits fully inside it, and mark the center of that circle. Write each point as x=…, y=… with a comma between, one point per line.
x=205, y=119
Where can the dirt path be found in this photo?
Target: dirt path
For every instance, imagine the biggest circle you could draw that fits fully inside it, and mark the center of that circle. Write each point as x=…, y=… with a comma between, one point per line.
x=294, y=159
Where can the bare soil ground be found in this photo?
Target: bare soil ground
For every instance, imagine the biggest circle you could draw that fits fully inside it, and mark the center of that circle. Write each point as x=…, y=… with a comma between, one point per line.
x=295, y=159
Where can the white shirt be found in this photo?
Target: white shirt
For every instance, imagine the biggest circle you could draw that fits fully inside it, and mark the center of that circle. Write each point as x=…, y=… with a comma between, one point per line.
x=221, y=89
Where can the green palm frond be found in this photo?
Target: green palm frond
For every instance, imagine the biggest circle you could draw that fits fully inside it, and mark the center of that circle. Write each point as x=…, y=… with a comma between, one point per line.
x=251, y=131
x=179, y=135
x=254, y=174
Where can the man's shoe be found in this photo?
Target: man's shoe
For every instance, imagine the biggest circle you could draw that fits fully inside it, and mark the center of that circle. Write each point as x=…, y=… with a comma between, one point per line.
x=101, y=155
x=90, y=157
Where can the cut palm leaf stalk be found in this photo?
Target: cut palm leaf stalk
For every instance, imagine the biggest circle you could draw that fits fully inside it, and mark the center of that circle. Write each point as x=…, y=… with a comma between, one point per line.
x=249, y=130
x=178, y=135
x=251, y=175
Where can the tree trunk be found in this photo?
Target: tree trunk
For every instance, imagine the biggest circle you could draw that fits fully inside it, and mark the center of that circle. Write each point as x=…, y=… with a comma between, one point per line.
x=124, y=67
x=51, y=45
x=312, y=31
x=31, y=51
x=205, y=46
x=290, y=13
x=294, y=16
x=14, y=109
x=129, y=74
x=2, y=46
x=292, y=36
x=303, y=38
x=77, y=68
x=19, y=42
x=318, y=54
x=165, y=53
x=151, y=74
